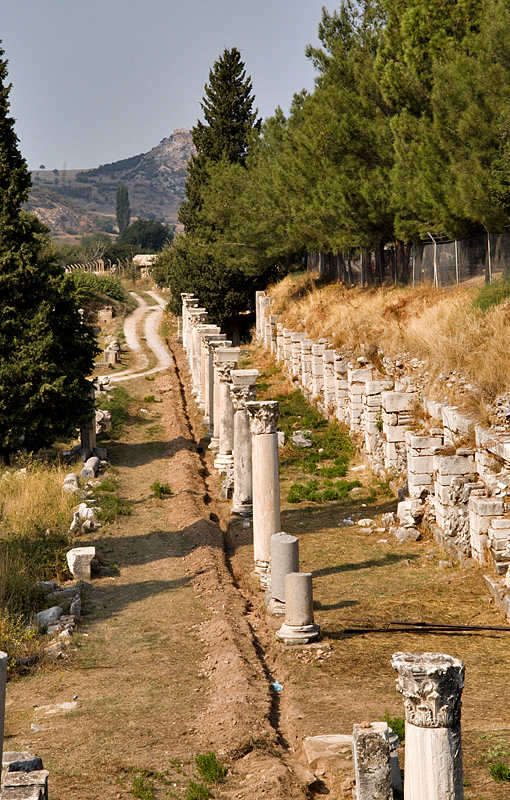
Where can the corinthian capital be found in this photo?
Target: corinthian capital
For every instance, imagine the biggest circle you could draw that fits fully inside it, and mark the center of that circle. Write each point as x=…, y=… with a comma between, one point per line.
x=263, y=416
x=431, y=686
x=242, y=394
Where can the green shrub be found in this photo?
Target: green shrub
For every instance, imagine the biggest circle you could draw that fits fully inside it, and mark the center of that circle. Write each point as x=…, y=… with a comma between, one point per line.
x=397, y=725
x=142, y=788
x=491, y=294
x=499, y=772
x=311, y=491
x=197, y=791
x=161, y=490
x=117, y=403
x=209, y=768
x=112, y=506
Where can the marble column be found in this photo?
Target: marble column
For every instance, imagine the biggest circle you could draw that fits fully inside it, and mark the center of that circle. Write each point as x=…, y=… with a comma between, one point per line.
x=188, y=303
x=299, y=626
x=199, y=361
x=213, y=432
x=226, y=360
x=208, y=340
x=242, y=390
x=266, y=481
x=198, y=318
x=284, y=559
x=431, y=686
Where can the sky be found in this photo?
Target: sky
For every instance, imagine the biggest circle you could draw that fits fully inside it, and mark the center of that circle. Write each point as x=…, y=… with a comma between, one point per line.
x=95, y=81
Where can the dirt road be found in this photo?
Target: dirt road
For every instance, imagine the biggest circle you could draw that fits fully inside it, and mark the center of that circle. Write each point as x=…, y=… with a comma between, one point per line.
x=166, y=664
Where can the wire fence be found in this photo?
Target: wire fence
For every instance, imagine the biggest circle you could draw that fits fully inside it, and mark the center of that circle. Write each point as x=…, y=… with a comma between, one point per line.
x=443, y=262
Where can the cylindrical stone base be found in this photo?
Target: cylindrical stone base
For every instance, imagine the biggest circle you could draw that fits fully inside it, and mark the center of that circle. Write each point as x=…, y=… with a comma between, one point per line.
x=299, y=626
x=284, y=559
x=433, y=766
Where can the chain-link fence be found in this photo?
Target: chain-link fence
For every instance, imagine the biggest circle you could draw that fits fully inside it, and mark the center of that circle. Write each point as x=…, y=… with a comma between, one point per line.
x=443, y=262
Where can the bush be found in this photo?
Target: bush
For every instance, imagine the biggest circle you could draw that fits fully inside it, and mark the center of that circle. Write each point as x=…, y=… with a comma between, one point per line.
x=197, y=791
x=209, y=768
x=142, y=788
x=397, y=725
x=499, y=772
x=491, y=294
x=161, y=490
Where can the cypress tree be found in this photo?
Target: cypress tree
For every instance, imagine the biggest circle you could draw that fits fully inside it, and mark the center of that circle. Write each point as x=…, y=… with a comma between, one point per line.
x=45, y=350
x=122, y=208
x=226, y=134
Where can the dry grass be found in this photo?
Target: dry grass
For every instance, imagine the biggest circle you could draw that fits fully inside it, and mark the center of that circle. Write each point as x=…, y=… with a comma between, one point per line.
x=441, y=328
x=31, y=500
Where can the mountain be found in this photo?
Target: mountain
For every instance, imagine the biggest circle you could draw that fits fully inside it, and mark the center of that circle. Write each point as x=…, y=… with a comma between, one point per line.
x=75, y=202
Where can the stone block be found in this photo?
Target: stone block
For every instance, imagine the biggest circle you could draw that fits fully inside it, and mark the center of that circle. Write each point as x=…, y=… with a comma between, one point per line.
x=398, y=401
x=376, y=387
x=394, y=433
x=48, y=617
x=79, y=560
x=360, y=375
x=420, y=463
x=501, y=524
x=455, y=465
x=90, y=468
x=327, y=746
x=371, y=751
x=486, y=506
x=442, y=493
x=434, y=409
x=423, y=442
x=419, y=479
x=458, y=423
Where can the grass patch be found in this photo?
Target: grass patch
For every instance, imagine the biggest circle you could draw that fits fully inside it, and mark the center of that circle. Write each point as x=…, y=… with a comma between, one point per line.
x=161, y=490
x=499, y=772
x=142, y=788
x=197, y=791
x=117, y=403
x=312, y=491
x=209, y=768
x=112, y=506
x=492, y=294
x=149, y=398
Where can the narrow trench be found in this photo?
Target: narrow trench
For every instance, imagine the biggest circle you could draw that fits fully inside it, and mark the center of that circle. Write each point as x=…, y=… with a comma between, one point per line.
x=229, y=551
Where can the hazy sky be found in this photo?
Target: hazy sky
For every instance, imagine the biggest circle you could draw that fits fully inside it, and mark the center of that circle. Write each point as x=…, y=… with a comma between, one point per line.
x=95, y=81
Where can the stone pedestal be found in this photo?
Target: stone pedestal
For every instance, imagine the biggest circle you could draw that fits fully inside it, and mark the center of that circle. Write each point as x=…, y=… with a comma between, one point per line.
x=371, y=755
x=299, y=627
x=226, y=361
x=242, y=390
x=284, y=559
x=266, y=481
x=431, y=685
x=79, y=560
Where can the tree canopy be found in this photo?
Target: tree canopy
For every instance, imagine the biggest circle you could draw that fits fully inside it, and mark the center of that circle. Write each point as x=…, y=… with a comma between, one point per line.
x=46, y=351
x=122, y=208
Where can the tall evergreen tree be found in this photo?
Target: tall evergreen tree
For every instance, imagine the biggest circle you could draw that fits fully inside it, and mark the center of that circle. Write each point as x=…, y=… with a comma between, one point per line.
x=227, y=131
x=45, y=350
x=122, y=207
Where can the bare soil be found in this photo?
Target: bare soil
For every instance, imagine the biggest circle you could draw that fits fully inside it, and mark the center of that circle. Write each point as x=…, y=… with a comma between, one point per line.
x=175, y=655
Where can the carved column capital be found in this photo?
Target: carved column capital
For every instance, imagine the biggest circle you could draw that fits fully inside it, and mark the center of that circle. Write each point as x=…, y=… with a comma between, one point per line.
x=224, y=368
x=263, y=416
x=431, y=686
x=241, y=395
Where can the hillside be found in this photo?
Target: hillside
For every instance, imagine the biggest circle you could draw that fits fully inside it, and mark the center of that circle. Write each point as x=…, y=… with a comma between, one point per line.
x=74, y=202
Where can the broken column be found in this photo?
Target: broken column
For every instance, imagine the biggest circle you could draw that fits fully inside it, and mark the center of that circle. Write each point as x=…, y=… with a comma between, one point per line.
x=242, y=390
x=226, y=361
x=371, y=756
x=431, y=686
x=284, y=559
x=263, y=417
x=299, y=626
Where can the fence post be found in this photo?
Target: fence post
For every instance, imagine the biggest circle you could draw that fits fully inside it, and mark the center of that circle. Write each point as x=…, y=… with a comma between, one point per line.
x=456, y=262
x=489, y=252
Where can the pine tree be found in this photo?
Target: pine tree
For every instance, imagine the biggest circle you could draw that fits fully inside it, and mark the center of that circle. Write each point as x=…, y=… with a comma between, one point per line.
x=226, y=134
x=45, y=350
x=123, y=209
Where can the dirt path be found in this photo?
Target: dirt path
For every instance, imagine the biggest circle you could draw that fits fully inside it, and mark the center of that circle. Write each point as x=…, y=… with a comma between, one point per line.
x=166, y=664
x=153, y=318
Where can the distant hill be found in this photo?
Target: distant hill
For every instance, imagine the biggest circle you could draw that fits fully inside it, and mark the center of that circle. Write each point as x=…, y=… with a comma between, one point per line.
x=74, y=202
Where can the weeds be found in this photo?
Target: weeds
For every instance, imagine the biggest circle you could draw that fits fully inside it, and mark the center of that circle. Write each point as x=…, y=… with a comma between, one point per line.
x=112, y=506
x=197, y=791
x=161, y=490
x=142, y=788
x=149, y=398
x=491, y=294
x=499, y=772
x=312, y=492
x=117, y=403
x=397, y=725
x=209, y=768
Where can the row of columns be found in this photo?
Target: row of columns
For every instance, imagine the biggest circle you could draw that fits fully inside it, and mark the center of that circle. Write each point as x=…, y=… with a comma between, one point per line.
x=243, y=435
